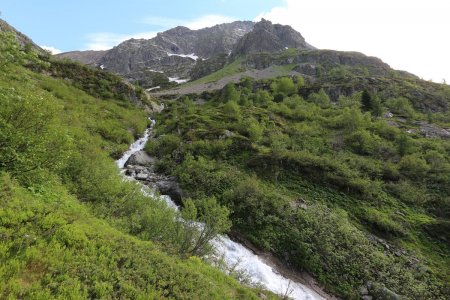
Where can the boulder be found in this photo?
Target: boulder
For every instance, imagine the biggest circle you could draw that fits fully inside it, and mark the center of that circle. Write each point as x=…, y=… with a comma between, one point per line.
x=434, y=131
x=170, y=188
x=141, y=176
x=140, y=158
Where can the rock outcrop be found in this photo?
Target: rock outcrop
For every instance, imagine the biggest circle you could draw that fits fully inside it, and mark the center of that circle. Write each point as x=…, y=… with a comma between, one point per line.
x=140, y=166
x=268, y=37
x=89, y=57
x=140, y=158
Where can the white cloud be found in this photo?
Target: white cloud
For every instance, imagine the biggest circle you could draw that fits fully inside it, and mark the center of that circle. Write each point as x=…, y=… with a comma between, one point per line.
x=407, y=34
x=53, y=50
x=107, y=40
x=197, y=23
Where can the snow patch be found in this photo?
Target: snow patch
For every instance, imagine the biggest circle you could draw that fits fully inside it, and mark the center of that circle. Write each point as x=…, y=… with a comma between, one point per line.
x=156, y=71
x=153, y=88
x=191, y=56
x=177, y=80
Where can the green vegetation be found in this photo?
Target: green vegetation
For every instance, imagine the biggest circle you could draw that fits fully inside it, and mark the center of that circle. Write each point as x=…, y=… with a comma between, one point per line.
x=230, y=69
x=70, y=227
x=333, y=188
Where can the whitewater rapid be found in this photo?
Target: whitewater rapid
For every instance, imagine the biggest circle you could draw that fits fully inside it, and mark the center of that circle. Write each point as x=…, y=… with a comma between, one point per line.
x=235, y=255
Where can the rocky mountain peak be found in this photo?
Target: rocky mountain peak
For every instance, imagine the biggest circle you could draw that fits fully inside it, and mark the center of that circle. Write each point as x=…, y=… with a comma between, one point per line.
x=268, y=37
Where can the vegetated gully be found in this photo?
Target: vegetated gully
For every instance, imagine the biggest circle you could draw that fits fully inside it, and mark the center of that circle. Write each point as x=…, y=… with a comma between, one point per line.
x=260, y=270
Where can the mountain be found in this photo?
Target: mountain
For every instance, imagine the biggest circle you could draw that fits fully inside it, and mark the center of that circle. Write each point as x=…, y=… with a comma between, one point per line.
x=267, y=37
x=173, y=52
x=181, y=54
x=89, y=57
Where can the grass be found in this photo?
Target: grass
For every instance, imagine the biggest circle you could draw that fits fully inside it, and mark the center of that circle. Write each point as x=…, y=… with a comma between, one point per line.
x=231, y=69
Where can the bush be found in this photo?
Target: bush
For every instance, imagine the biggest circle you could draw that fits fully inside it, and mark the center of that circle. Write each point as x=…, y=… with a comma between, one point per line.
x=163, y=145
x=413, y=166
x=283, y=85
x=401, y=106
x=232, y=109
x=321, y=98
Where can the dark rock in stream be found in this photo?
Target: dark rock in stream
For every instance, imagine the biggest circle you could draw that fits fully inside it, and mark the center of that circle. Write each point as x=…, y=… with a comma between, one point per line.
x=140, y=158
x=171, y=188
x=140, y=166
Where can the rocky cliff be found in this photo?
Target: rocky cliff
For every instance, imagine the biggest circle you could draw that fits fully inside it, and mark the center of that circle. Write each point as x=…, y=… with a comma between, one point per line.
x=268, y=37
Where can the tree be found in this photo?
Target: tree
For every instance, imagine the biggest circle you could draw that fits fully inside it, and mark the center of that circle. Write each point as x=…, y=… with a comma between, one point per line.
x=403, y=144
x=229, y=93
x=254, y=129
x=377, y=108
x=366, y=101
x=321, y=98
x=205, y=219
x=284, y=85
x=232, y=109
x=413, y=166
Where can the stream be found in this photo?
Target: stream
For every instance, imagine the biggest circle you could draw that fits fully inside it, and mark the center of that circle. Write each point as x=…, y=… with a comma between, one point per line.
x=235, y=255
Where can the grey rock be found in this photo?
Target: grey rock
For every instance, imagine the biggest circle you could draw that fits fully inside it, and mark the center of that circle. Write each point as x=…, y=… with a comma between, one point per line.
x=267, y=37
x=363, y=290
x=307, y=69
x=88, y=57
x=392, y=123
x=140, y=158
x=387, y=294
x=171, y=188
x=326, y=59
x=141, y=176
x=434, y=131
x=367, y=297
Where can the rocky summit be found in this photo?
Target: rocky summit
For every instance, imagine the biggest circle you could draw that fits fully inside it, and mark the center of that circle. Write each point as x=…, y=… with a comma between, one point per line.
x=173, y=52
x=267, y=37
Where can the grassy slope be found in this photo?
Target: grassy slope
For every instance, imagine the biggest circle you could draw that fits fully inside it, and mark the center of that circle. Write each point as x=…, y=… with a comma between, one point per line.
x=69, y=226
x=264, y=159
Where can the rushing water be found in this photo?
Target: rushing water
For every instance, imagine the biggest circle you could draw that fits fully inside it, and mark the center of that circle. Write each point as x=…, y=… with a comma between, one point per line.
x=235, y=255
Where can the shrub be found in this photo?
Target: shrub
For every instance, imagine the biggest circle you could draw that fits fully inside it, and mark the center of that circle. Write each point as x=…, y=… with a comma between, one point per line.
x=401, y=106
x=413, y=166
x=321, y=98
x=284, y=85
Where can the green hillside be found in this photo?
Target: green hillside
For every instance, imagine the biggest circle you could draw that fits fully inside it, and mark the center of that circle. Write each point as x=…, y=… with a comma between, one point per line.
x=70, y=227
x=355, y=191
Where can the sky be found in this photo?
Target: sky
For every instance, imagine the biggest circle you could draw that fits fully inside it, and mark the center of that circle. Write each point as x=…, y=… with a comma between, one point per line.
x=409, y=35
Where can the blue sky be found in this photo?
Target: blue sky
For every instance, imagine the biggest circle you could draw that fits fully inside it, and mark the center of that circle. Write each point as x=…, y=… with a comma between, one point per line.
x=407, y=34
x=78, y=24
